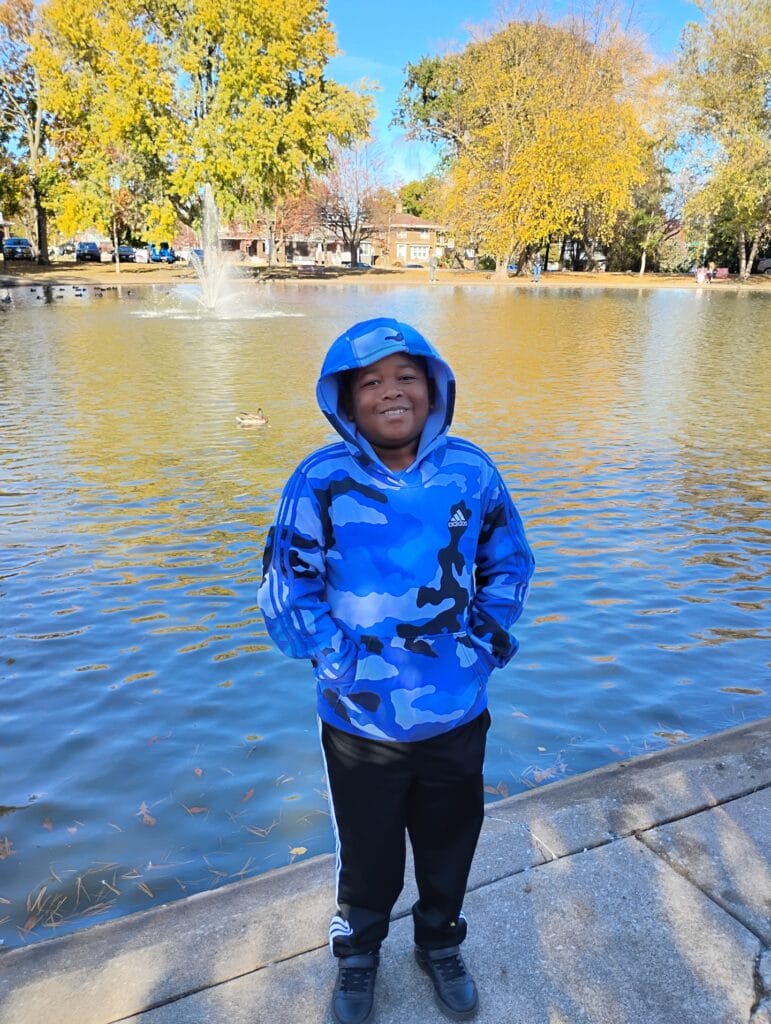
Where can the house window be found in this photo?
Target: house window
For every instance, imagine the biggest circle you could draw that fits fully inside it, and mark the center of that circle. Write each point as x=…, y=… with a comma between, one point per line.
x=419, y=252
x=401, y=251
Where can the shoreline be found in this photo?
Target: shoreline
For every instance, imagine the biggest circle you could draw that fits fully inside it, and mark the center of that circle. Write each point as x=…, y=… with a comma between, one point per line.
x=104, y=274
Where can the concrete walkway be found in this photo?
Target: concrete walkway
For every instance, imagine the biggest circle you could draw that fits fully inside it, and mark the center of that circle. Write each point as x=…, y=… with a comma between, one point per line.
x=639, y=893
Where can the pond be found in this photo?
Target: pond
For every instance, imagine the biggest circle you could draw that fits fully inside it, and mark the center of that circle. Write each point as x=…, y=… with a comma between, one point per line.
x=155, y=744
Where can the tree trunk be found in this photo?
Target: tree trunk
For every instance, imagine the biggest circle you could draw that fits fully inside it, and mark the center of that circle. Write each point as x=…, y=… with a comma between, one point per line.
x=644, y=256
x=752, y=256
x=41, y=228
x=742, y=255
x=562, y=251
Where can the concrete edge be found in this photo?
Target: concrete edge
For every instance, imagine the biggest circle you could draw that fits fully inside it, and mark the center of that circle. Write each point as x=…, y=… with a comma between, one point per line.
x=238, y=921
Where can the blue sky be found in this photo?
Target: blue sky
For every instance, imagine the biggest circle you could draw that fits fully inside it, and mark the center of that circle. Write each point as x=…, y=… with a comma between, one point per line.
x=377, y=39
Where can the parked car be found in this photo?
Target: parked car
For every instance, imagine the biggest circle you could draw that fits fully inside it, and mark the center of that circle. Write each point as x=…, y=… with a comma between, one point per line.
x=87, y=251
x=126, y=254
x=764, y=265
x=18, y=249
x=163, y=254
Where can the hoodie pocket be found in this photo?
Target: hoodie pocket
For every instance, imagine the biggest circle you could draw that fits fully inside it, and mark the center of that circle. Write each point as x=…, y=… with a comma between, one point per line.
x=447, y=661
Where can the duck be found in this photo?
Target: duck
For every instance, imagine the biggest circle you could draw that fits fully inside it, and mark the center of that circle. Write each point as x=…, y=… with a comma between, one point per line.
x=252, y=419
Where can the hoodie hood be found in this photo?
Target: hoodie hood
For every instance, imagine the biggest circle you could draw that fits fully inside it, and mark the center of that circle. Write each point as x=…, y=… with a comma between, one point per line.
x=366, y=343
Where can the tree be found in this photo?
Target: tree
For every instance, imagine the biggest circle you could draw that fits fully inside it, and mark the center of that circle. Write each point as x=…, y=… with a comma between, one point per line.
x=423, y=198
x=724, y=78
x=176, y=93
x=350, y=198
x=540, y=127
x=24, y=119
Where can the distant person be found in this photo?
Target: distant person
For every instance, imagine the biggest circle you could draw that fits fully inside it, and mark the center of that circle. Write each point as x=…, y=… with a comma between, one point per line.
x=397, y=563
x=432, y=265
x=536, y=268
x=702, y=275
x=711, y=270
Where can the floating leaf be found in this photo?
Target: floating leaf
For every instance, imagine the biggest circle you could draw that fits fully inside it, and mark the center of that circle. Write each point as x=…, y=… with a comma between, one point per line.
x=617, y=750
x=196, y=810
x=198, y=772
x=254, y=737
x=518, y=714
x=157, y=739
x=298, y=851
x=48, y=824
x=247, y=795
x=144, y=813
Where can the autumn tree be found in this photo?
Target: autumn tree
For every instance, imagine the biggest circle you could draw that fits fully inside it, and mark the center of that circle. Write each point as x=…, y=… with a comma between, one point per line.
x=724, y=77
x=24, y=120
x=351, y=199
x=166, y=95
x=423, y=198
x=539, y=125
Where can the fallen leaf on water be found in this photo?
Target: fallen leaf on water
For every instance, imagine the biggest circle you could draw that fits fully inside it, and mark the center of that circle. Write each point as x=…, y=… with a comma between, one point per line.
x=492, y=790
x=198, y=772
x=617, y=750
x=196, y=810
x=503, y=789
x=71, y=829
x=144, y=814
x=247, y=795
x=145, y=889
x=48, y=824
x=548, y=773
x=298, y=851
x=518, y=714
x=30, y=923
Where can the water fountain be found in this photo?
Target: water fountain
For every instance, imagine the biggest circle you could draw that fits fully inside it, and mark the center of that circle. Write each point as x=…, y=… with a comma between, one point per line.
x=212, y=270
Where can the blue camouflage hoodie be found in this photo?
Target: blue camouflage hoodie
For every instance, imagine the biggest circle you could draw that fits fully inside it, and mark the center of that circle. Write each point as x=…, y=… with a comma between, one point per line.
x=400, y=587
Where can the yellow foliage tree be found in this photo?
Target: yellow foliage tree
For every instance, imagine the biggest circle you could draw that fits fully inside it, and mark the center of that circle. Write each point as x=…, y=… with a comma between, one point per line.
x=163, y=96
x=541, y=129
x=724, y=76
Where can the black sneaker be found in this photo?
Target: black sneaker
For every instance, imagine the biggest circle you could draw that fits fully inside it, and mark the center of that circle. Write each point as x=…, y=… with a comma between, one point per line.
x=355, y=988
x=454, y=988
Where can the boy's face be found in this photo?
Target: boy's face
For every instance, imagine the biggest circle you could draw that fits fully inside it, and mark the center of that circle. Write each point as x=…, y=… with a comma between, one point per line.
x=390, y=403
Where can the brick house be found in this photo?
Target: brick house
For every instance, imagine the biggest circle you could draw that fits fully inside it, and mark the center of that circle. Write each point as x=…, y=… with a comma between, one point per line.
x=411, y=239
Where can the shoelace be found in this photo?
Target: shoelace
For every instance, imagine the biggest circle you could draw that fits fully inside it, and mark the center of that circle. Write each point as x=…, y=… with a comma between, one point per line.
x=450, y=967
x=355, y=979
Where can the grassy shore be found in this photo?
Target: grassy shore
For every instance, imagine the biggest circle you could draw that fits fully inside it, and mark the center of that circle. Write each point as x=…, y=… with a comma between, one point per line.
x=67, y=272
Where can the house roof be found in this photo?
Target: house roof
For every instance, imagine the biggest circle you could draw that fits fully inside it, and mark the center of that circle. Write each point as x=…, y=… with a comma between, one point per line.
x=409, y=220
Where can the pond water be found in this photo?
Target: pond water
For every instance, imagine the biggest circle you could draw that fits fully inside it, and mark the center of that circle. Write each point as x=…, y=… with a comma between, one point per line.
x=155, y=744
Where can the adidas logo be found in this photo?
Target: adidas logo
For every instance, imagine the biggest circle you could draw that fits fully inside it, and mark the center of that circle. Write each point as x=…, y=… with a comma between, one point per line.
x=457, y=519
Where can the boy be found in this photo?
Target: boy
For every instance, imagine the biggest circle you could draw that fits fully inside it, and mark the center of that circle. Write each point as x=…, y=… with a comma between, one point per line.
x=397, y=563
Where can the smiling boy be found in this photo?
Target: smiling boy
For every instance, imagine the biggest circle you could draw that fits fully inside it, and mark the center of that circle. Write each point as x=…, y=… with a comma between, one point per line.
x=397, y=564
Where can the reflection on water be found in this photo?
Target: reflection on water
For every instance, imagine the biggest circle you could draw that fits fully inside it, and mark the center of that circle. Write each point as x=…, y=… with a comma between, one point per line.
x=154, y=742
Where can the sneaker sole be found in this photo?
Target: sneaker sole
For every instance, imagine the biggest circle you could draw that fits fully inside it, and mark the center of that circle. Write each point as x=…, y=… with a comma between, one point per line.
x=447, y=1010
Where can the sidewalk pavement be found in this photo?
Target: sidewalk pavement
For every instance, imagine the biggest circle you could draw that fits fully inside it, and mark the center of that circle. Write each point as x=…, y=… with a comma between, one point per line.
x=639, y=893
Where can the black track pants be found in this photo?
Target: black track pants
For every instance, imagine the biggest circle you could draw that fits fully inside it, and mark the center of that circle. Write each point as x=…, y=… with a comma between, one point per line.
x=431, y=790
